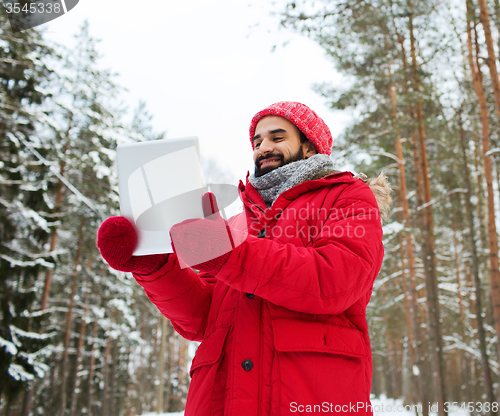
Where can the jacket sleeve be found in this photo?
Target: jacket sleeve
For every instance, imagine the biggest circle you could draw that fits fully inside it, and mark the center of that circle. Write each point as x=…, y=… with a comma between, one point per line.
x=182, y=296
x=325, y=278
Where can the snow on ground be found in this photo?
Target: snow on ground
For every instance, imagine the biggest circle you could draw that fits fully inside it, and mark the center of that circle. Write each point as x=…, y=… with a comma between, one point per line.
x=381, y=406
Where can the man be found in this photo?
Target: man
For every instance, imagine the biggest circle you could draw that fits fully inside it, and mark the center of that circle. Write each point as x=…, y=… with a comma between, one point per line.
x=282, y=315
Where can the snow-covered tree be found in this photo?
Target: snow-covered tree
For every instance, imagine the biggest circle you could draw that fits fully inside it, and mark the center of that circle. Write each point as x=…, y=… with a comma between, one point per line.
x=24, y=231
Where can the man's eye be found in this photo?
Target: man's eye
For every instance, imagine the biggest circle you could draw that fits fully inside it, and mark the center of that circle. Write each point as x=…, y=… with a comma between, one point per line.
x=278, y=138
x=256, y=145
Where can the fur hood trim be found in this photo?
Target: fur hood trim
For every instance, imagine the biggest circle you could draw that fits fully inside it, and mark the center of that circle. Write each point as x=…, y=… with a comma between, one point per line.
x=382, y=191
x=379, y=186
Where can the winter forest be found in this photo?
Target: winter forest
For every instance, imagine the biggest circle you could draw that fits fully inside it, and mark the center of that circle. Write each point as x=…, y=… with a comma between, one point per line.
x=77, y=338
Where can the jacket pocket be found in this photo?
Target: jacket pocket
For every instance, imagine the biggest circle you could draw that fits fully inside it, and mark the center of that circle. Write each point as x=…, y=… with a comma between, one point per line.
x=210, y=349
x=206, y=393
x=292, y=335
x=318, y=364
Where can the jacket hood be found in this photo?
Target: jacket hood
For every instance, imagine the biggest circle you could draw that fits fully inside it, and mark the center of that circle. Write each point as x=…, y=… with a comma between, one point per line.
x=379, y=186
x=382, y=191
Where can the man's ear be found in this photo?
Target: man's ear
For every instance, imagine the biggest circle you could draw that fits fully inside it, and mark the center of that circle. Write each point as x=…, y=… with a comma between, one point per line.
x=309, y=149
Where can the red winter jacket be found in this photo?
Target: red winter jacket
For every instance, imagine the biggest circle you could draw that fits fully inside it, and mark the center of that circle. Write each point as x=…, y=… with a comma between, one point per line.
x=283, y=323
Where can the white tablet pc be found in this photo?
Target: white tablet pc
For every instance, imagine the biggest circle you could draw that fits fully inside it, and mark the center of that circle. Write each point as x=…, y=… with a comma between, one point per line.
x=161, y=184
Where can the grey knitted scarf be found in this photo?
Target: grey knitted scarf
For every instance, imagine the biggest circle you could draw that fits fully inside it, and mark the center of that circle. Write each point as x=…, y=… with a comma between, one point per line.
x=273, y=184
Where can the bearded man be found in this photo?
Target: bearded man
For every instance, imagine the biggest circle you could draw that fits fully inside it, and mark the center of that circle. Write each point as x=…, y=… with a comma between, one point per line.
x=281, y=313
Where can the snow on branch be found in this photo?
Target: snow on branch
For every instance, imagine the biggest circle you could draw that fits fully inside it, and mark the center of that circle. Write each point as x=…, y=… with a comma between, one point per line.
x=491, y=151
x=20, y=263
x=32, y=335
x=9, y=346
x=17, y=372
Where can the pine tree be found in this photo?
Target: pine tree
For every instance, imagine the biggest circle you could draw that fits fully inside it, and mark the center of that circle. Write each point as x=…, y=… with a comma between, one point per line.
x=83, y=126
x=24, y=232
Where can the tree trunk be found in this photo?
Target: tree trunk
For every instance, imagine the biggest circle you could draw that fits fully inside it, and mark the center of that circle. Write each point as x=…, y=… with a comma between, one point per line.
x=428, y=245
x=420, y=313
x=410, y=391
x=78, y=359
x=480, y=196
x=488, y=382
x=492, y=231
x=497, y=16
x=390, y=369
x=497, y=169
x=461, y=309
x=92, y=369
x=112, y=374
x=182, y=371
x=105, y=398
x=69, y=317
x=161, y=368
x=53, y=237
x=491, y=61
x=411, y=295
x=169, y=365
x=141, y=376
x=129, y=404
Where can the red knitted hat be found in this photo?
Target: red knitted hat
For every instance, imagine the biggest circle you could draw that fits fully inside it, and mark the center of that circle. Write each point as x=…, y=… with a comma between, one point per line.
x=305, y=119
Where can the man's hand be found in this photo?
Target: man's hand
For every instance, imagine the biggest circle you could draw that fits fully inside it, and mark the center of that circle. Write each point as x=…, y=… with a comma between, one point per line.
x=205, y=244
x=116, y=241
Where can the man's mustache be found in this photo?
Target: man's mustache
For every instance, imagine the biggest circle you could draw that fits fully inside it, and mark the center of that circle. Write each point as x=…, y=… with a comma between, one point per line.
x=261, y=158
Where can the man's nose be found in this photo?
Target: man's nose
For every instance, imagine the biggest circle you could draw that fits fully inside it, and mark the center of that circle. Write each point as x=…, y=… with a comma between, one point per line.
x=266, y=146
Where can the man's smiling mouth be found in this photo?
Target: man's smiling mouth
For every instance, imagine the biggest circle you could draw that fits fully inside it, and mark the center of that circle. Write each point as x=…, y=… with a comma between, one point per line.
x=266, y=162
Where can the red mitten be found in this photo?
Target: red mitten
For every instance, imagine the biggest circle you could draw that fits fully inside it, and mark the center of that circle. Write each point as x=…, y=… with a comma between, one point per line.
x=116, y=240
x=205, y=244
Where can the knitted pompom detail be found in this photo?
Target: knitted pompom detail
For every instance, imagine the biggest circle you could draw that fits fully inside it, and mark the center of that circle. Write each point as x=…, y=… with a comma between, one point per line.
x=116, y=241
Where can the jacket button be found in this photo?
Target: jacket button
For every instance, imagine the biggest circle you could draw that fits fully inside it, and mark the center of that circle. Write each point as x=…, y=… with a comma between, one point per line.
x=250, y=295
x=247, y=365
x=262, y=233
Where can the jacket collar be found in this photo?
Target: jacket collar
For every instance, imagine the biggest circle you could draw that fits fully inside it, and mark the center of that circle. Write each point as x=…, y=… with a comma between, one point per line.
x=252, y=199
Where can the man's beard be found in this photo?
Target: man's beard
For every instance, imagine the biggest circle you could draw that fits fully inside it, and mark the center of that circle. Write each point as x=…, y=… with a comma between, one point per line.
x=260, y=172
